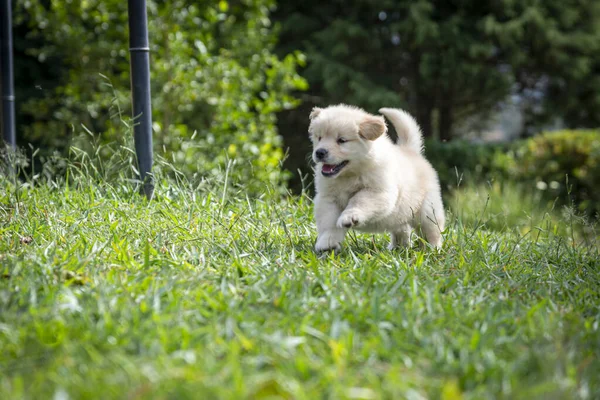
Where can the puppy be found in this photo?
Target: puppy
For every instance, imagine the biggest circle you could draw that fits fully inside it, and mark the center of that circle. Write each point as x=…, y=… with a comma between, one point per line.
x=366, y=182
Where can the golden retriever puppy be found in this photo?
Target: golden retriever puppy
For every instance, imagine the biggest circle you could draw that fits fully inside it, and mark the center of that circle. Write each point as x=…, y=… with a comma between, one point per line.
x=366, y=182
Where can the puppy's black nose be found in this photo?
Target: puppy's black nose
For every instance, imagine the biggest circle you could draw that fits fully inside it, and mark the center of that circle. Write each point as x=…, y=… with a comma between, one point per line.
x=321, y=154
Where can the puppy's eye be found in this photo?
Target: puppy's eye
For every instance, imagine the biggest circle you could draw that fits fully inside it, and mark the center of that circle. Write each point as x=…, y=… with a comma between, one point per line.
x=341, y=140
x=319, y=139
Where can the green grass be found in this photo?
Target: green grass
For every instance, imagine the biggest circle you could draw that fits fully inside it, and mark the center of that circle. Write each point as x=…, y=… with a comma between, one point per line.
x=205, y=294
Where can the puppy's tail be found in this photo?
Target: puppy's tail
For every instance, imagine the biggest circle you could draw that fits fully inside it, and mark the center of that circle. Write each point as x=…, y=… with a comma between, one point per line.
x=409, y=132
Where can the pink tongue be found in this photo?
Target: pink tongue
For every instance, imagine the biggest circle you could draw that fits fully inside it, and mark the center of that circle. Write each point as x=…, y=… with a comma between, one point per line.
x=328, y=168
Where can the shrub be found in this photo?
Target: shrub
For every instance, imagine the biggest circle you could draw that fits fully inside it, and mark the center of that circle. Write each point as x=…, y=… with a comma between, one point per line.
x=216, y=82
x=566, y=164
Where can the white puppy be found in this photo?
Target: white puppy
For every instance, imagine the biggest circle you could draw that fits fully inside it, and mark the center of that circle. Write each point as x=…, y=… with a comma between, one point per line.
x=366, y=182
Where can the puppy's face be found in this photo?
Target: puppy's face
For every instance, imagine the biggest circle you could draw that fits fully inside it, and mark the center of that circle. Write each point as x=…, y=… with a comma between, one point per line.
x=342, y=138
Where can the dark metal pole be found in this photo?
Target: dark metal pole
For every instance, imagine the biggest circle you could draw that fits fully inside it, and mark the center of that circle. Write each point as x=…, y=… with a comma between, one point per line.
x=140, y=90
x=7, y=76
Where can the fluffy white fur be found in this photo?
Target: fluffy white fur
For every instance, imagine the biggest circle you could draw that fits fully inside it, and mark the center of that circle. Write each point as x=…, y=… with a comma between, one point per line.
x=383, y=187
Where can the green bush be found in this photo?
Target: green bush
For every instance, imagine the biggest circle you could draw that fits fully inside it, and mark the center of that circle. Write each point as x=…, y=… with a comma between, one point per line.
x=566, y=164
x=216, y=82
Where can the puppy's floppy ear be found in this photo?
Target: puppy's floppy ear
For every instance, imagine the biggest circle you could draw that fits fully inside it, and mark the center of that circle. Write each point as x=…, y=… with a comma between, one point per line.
x=315, y=112
x=372, y=127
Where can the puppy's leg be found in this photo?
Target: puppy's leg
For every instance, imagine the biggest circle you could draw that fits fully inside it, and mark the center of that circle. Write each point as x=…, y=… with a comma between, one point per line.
x=363, y=207
x=433, y=218
x=329, y=235
x=401, y=237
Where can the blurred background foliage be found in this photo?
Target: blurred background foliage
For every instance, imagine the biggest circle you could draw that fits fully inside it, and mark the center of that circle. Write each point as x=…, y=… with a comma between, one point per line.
x=233, y=83
x=454, y=64
x=216, y=83
x=450, y=61
x=562, y=166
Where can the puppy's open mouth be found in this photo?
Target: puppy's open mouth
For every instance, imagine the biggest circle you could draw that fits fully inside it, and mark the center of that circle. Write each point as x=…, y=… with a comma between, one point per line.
x=333, y=169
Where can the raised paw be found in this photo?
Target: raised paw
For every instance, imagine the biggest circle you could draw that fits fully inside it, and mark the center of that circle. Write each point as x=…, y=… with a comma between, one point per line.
x=348, y=220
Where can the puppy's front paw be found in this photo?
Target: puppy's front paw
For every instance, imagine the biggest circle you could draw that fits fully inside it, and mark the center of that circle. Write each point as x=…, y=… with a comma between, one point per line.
x=325, y=246
x=348, y=219
x=327, y=242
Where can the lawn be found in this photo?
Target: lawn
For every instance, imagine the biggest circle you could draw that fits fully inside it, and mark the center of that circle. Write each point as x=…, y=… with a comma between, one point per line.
x=206, y=293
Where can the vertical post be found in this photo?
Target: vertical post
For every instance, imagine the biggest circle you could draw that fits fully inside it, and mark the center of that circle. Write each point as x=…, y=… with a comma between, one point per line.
x=7, y=75
x=140, y=90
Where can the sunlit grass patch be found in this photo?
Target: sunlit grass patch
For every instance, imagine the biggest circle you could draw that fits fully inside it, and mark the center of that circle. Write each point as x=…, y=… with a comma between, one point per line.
x=207, y=292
